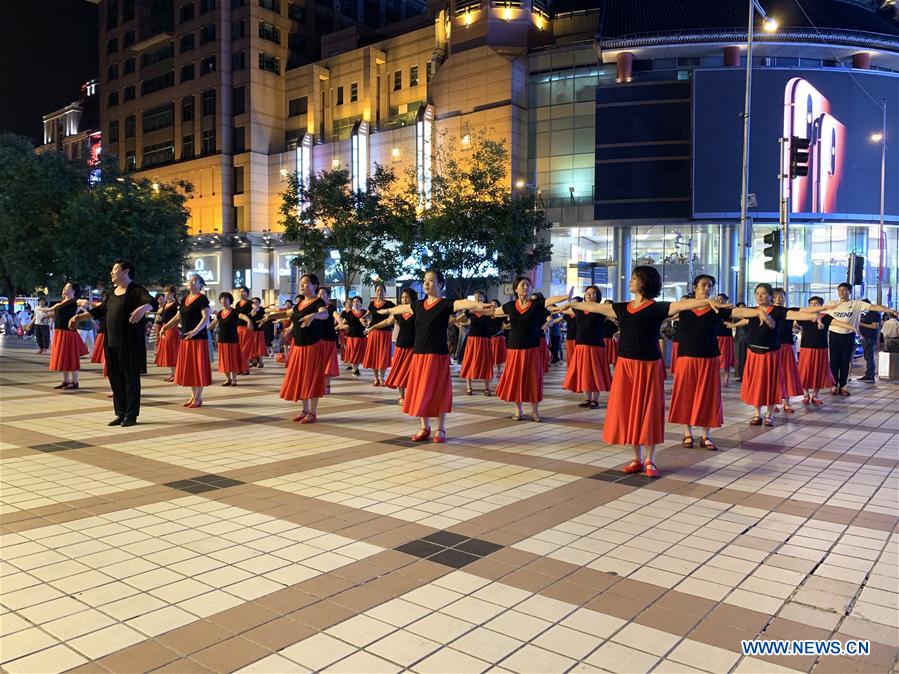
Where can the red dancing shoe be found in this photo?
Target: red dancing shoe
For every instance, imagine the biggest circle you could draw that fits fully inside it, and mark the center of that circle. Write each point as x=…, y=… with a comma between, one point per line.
x=195, y=404
x=170, y=378
x=227, y=382
x=806, y=400
x=651, y=470
x=634, y=466
x=422, y=435
x=788, y=409
x=310, y=418
x=817, y=402
x=440, y=437
x=300, y=416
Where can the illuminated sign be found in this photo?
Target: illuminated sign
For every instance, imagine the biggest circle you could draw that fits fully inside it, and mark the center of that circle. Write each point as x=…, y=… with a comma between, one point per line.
x=424, y=121
x=360, y=156
x=285, y=263
x=303, y=160
x=205, y=266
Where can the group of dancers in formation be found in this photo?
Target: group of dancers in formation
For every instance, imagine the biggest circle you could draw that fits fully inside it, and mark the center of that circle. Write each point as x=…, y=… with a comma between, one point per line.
x=601, y=334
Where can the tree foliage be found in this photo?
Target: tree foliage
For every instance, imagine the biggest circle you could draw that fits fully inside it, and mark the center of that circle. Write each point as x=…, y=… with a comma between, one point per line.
x=361, y=226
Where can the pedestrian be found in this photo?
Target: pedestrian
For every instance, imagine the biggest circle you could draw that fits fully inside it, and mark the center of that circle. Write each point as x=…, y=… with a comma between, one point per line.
x=167, y=345
x=193, y=368
x=67, y=346
x=42, y=321
x=124, y=309
x=869, y=326
x=477, y=360
x=890, y=332
x=379, y=348
x=401, y=364
x=231, y=358
x=588, y=369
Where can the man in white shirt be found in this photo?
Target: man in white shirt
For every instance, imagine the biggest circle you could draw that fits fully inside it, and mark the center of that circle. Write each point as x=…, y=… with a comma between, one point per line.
x=842, y=340
x=890, y=332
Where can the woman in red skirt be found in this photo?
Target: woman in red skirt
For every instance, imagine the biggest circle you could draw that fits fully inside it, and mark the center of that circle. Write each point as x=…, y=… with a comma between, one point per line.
x=167, y=344
x=610, y=338
x=636, y=410
x=66, y=347
x=570, y=319
x=405, y=341
x=761, y=385
x=245, y=334
x=522, y=378
x=477, y=360
x=305, y=376
x=193, y=367
x=356, y=341
x=329, y=338
x=588, y=370
x=814, y=359
x=256, y=339
x=498, y=341
x=696, y=395
x=231, y=357
x=790, y=381
x=378, y=350
x=724, y=334
x=285, y=335
x=429, y=390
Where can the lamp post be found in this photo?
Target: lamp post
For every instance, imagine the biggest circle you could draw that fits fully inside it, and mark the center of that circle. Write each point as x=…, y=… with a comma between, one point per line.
x=882, y=139
x=770, y=25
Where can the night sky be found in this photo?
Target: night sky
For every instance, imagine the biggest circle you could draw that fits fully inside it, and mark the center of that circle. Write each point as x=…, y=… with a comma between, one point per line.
x=47, y=49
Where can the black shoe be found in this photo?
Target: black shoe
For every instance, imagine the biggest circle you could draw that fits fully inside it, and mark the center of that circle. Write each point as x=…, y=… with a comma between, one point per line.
x=116, y=422
x=129, y=421
x=868, y=380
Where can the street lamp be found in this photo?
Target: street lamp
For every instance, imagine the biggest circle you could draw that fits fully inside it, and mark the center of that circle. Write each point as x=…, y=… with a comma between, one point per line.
x=770, y=25
x=881, y=138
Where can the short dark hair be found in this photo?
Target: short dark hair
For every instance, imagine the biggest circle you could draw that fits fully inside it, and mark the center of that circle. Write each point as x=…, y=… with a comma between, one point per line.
x=724, y=295
x=170, y=289
x=298, y=297
x=76, y=288
x=127, y=265
x=288, y=302
x=483, y=293
x=313, y=279
x=845, y=285
x=766, y=287
x=226, y=296
x=866, y=300
x=702, y=276
x=741, y=304
x=327, y=289
x=517, y=281
x=412, y=293
x=354, y=298
x=780, y=290
x=380, y=284
x=245, y=289
x=256, y=299
x=815, y=298
x=598, y=292
x=650, y=281
x=441, y=280
x=200, y=279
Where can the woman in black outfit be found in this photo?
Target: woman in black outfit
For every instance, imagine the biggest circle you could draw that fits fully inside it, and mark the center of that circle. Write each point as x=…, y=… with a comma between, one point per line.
x=193, y=367
x=405, y=341
x=231, y=358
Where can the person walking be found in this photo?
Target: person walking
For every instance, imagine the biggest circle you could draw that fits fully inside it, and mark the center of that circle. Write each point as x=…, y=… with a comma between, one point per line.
x=42, y=321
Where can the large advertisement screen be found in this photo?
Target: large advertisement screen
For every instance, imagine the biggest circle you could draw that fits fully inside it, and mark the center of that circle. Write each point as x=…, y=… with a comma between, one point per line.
x=836, y=111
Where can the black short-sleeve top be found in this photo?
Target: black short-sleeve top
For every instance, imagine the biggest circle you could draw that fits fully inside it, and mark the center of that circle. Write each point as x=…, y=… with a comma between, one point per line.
x=570, y=327
x=498, y=326
x=814, y=337
x=64, y=314
x=329, y=332
x=228, y=320
x=526, y=321
x=101, y=319
x=699, y=332
x=609, y=329
x=785, y=329
x=589, y=328
x=405, y=338
x=313, y=333
x=244, y=307
x=256, y=316
x=375, y=317
x=481, y=326
x=431, y=321
x=722, y=330
x=168, y=312
x=192, y=315
x=354, y=324
x=639, y=328
x=675, y=331
x=759, y=337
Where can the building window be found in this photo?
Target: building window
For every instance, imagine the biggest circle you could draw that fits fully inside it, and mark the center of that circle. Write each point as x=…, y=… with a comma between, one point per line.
x=161, y=53
x=112, y=72
x=114, y=131
x=413, y=76
x=397, y=80
x=130, y=160
x=127, y=10
x=354, y=91
x=238, y=30
x=238, y=60
x=112, y=46
x=128, y=39
x=208, y=141
x=112, y=99
x=157, y=83
x=187, y=42
x=207, y=65
x=238, y=180
x=112, y=13
x=269, y=32
x=158, y=153
x=158, y=118
x=207, y=102
x=339, y=95
x=129, y=93
x=269, y=63
x=187, y=12
x=130, y=126
x=207, y=34
x=206, y=6
x=187, y=146
x=240, y=139
x=187, y=108
x=273, y=5
x=187, y=72
x=297, y=106
x=128, y=66
x=239, y=100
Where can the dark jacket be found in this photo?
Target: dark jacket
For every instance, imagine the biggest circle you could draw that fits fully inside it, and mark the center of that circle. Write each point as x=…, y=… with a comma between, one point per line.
x=134, y=347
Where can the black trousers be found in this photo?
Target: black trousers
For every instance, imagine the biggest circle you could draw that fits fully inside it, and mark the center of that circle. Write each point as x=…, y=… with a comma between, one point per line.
x=841, y=348
x=42, y=336
x=125, y=385
x=555, y=347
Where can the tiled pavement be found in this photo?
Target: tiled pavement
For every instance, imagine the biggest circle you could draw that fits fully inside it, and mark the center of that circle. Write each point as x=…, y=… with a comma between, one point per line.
x=227, y=538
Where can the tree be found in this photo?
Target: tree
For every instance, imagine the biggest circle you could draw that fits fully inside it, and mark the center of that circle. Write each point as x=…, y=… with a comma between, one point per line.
x=34, y=189
x=361, y=227
x=476, y=229
x=125, y=217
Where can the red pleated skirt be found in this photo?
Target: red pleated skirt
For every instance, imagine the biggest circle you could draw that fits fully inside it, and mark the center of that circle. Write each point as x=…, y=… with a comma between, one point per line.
x=260, y=348
x=570, y=345
x=304, y=378
x=354, y=350
x=673, y=356
x=546, y=354
x=477, y=361
x=814, y=368
x=636, y=410
x=167, y=348
x=761, y=379
x=429, y=390
x=66, y=351
x=728, y=356
x=231, y=358
x=193, y=368
x=588, y=370
x=791, y=382
x=332, y=367
x=696, y=395
x=98, y=355
x=498, y=345
x=247, y=341
x=522, y=378
x=612, y=350
x=377, y=351
x=399, y=369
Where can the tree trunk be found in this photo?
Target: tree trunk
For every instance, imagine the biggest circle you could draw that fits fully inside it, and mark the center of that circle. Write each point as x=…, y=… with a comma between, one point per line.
x=10, y=290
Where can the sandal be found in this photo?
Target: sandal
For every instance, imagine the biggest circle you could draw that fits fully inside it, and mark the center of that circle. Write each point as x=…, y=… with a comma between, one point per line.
x=651, y=470
x=843, y=392
x=687, y=442
x=634, y=466
x=833, y=390
x=227, y=382
x=310, y=418
x=468, y=391
x=817, y=402
x=356, y=373
x=769, y=422
x=537, y=418
x=171, y=378
x=586, y=403
x=517, y=416
x=440, y=437
x=487, y=392
x=65, y=384
x=806, y=400
x=195, y=404
x=755, y=421
x=788, y=409
x=594, y=404
x=422, y=435
x=300, y=416
x=707, y=443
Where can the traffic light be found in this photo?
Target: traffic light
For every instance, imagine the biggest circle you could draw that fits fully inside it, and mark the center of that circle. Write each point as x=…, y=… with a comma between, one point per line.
x=774, y=251
x=799, y=156
x=855, y=273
